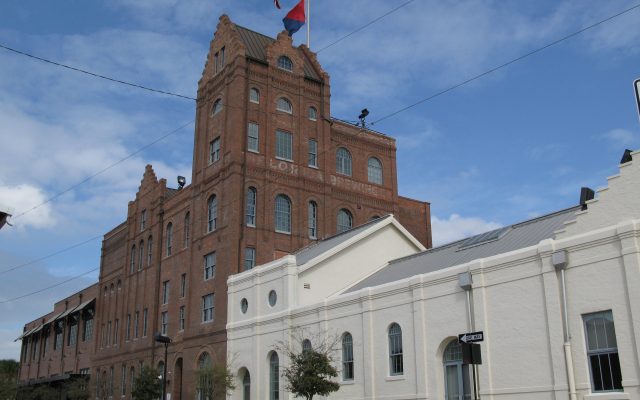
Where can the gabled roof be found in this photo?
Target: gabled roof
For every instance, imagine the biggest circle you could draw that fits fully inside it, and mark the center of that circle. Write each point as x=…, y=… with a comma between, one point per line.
x=256, y=44
x=498, y=241
x=315, y=249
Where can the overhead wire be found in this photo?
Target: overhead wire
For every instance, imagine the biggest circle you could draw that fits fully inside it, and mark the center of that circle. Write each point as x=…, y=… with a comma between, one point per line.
x=506, y=64
x=49, y=287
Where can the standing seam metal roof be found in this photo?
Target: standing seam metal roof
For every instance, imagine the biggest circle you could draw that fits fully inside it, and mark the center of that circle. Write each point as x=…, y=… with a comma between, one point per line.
x=256, y=44
x=503, y=240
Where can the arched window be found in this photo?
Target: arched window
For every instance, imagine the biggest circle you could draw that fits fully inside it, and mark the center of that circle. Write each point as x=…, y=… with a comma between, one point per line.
x=284, y=105
x=251, y=206
x=347, y=357
x=132, y=260
x=283, y=214
x=343, y=161
x=187, y=229
x=149, y=250
x=141, y=255
x=254, y=95
x=306, y=345
x=374, y=170
x=313, y=220
x=169, y=238
x=285, y=63
x=204, y=383
x=212, y=213
x=396, y=366
x=274, y=377
x=313, y=114
x=246, y=386
x=345, y=220
x=456, y=374
x=217, y=107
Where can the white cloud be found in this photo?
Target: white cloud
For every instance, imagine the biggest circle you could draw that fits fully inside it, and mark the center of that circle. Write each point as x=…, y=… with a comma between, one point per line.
x=456, y=227
x=620, y=138
x=24, y=197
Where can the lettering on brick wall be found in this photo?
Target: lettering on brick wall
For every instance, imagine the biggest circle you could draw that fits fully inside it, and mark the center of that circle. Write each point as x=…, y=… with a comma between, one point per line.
x=353, y=185
x=294, y=170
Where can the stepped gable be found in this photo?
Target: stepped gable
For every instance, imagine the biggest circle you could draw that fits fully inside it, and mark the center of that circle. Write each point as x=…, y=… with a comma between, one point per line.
x=617, y=202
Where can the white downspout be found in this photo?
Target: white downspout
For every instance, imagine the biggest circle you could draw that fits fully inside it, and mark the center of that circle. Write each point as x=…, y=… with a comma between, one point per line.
x=559, y=260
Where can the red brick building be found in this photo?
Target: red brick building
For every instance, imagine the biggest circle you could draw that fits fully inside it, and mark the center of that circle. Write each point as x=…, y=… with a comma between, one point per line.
x=272, y=172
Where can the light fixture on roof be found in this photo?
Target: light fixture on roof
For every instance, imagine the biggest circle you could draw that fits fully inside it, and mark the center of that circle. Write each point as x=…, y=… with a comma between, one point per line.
x=181, y=181
x=362, y=116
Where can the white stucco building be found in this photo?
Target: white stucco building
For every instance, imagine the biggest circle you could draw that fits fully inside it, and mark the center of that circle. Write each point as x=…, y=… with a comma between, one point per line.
x=557, y=297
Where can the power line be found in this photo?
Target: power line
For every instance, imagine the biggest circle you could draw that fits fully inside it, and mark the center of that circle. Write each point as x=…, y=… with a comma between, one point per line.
x=55, y=196
x=555, y=42
x=366, y=25
x=49, y=287
x=84, y=71
x=13, y=268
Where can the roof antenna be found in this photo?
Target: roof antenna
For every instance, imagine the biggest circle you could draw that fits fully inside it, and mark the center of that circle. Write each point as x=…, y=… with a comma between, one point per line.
x=362, y=116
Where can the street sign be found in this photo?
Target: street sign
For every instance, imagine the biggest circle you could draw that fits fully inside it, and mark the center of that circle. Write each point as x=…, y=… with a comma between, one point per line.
x=636, y=86
x=471, y=337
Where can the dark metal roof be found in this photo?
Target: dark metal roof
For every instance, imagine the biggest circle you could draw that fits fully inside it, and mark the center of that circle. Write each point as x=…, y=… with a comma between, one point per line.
x=256, y=44
x=509, y=238
x=316, y=248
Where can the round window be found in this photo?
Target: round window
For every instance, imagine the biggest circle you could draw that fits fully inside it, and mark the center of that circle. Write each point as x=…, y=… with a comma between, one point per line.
x=244, y=305
x=273, y=297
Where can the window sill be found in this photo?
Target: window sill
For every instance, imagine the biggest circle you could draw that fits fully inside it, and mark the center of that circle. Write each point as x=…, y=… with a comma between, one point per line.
x=284, y=159
x=283, y=232
x=251, y=226
x=313, y=166
x=607, y=396
x=349, y=382
x=395, y=378
x=343, y=174
x=206, y=322
x=253, y=151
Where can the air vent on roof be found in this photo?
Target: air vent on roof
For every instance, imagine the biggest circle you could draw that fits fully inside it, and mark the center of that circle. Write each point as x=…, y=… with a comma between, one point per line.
x=484, y=237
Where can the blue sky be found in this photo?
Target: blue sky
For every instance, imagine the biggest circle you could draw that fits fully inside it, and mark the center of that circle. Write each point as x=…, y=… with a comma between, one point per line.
x=515, y=144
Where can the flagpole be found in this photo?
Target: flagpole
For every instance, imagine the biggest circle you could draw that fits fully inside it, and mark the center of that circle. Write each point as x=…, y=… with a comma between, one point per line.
x=309, y=24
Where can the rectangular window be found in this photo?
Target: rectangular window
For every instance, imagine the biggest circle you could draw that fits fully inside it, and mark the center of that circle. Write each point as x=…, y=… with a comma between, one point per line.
x=253, y=136
x=73, y=332
x=209, y=266
x=123, y=380
x=88, y=329
x=207, y=307
x=45, y=339
x=145, y=315
x=222, y=57
x=183, y=285
x=164, y=322
x=57, y=343
x=136, y=319
x=181, y=319
x=249, y=258
x=284, y=145
x=313, y=153
x=602, y=352
x=214, y=150
x=127, y=333
x=36, y=348
x=116, y=325
x=143, y=219
x=165, y=292
x=215, y=62
x=108, y=333
x=149, y=250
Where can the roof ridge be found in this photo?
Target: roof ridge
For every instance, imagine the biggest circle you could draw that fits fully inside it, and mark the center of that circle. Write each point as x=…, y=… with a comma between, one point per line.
x=318, y=242
x=252, y=31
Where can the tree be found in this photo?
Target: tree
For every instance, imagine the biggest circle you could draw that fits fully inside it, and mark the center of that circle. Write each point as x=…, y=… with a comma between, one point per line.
x=213, y=382
x=78, y=389
x=147, y=385
x=8, y=379
x=310, y=371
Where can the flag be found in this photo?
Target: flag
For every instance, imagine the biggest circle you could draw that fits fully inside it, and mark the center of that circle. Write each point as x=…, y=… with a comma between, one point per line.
x=277, y=3
x=295, y=18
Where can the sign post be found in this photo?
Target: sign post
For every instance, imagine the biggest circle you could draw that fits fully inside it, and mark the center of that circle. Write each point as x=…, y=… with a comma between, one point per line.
x=471, y=353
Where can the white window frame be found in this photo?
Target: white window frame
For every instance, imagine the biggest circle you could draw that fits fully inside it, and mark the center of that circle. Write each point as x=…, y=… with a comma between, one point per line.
x=164, y=322
x=284, y=105
x=208, y=307
x=312, y=158
x=285, y=63
x=210, y=266
x=313, y=113
x=312, y=219
x=216, y=107
x=251, y=203
x=396, y=351
x=374, y=171
x=214, y=150
x=284, y=145
x=341, y=226
x=212, y=213
x=254, y=95
x=253, y=137
x=344, y=161
x=249, y=258
x=165, y=292
x=282, y=215
x=606, y=344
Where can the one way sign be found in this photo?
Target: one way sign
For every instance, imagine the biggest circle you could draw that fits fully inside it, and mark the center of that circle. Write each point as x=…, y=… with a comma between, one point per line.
x=471, y=337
